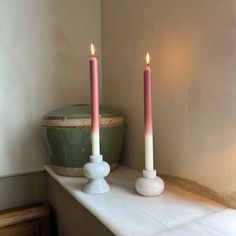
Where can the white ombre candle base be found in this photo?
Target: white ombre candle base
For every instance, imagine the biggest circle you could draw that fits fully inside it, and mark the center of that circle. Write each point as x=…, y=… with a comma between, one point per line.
x=95, y=170
x=149, y=185
x=149, y=152
x=95, y=143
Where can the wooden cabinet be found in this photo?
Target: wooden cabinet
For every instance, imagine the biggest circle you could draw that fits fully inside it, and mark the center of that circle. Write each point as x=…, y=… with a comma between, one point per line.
x=25, y=221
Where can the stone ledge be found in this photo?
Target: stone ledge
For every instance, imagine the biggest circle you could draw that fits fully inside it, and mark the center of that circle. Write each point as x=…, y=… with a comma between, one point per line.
x=124, y=212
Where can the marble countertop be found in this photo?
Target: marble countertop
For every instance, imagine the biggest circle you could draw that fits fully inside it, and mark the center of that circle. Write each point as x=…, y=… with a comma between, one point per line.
x=176, y=212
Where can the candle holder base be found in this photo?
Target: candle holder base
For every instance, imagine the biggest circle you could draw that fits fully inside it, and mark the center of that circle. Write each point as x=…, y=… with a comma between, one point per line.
x=149, y=185
x=95, y=170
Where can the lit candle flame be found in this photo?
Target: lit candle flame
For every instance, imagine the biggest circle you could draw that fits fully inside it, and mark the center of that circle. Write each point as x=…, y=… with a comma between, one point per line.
x=147, y=59
x=92, y=49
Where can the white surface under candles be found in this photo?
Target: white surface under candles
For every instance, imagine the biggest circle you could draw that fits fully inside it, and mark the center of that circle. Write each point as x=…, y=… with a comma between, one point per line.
x=176, y=212
x=149, y=152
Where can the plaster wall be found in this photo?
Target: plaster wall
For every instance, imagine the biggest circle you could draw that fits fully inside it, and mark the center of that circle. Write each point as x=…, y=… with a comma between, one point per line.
x=22, y=190
x=44, y=56
x=192, y=45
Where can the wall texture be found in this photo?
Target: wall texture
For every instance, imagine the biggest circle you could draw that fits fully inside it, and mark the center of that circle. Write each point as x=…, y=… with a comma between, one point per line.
x=22, y=190
x=193, y=52
x=44, y=56
x=44, y=64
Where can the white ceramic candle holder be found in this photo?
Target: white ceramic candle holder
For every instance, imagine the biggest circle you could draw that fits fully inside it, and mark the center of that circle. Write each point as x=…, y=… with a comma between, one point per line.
x=95, y=170
x=150, y=184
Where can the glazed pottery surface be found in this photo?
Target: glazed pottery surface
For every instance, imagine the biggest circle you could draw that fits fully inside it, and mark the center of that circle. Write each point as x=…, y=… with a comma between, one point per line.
x=67, y=136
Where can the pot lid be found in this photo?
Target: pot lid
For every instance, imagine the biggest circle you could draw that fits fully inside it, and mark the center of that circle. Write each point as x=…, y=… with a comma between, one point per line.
x=80, y=111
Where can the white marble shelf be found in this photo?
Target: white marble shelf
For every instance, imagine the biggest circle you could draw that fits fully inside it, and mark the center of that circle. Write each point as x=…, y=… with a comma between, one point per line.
x=176, y=212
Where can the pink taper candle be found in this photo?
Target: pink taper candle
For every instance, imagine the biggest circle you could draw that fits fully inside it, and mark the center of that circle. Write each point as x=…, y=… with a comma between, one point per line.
x=148, y=115
x=94, y=102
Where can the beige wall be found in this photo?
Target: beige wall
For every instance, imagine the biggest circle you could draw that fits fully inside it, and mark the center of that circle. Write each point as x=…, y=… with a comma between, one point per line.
x=44, y=64
x=44, y=52
x=193, y=54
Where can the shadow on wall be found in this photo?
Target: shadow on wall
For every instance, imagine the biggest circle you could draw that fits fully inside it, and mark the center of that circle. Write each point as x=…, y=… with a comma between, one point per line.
x=227, y=199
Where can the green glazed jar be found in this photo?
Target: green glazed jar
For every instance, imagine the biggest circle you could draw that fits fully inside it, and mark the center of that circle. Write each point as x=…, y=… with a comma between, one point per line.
x=67, y=136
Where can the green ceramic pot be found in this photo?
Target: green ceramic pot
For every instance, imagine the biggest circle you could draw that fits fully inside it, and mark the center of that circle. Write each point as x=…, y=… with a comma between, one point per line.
x=67, y=137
